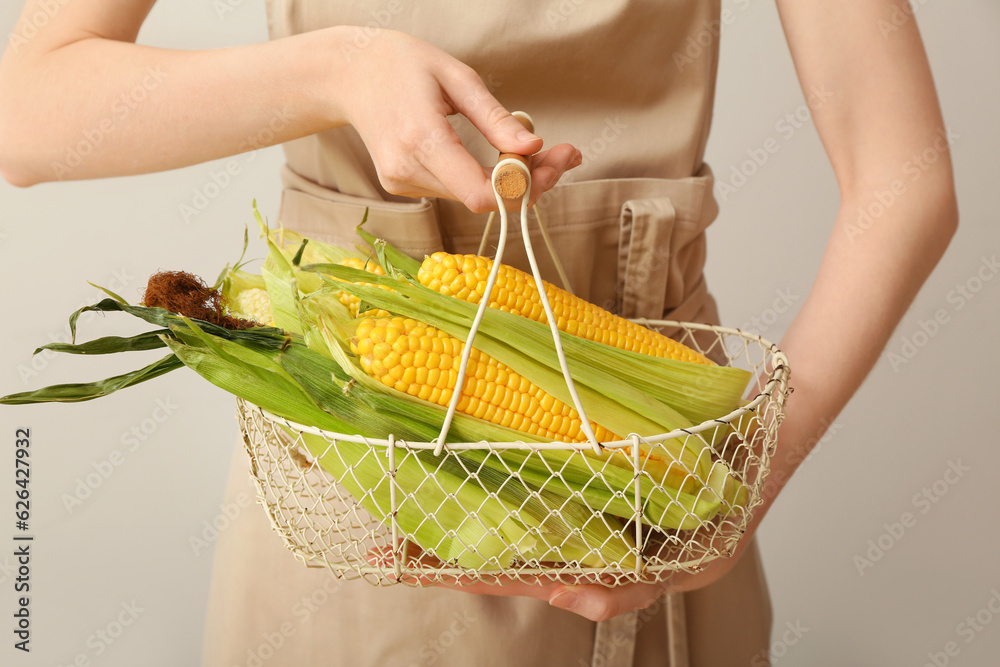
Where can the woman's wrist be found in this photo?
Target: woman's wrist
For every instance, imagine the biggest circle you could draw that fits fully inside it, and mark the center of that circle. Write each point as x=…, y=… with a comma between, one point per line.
x=322, y=58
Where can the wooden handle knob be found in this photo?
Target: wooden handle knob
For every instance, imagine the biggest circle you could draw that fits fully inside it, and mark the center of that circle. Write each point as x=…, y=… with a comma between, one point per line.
x=511, y=180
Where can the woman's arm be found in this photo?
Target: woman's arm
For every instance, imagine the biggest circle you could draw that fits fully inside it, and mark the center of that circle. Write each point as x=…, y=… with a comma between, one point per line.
x=882, y=113
x=80, y=99
x=881, y=123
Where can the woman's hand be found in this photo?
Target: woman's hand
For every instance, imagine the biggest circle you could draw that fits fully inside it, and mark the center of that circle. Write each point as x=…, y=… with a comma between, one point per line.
x=592, y=601
x=398, y=92
x=138, y=109
x=599, y=603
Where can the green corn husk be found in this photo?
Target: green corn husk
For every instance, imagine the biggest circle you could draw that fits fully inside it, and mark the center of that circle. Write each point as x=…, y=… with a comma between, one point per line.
x=434, y=512
x=608, y=488
x=86, y=391
x=609, y=377
x=489, y=537
x=698, y=392
x=473, y=507
x=576, y=532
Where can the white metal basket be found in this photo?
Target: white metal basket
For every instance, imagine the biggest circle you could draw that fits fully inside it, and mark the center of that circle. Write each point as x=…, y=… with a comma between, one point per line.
x=324, y=526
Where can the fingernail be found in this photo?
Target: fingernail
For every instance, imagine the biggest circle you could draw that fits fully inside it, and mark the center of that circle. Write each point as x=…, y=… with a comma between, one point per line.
x=524, y=135
x=564, y=600
x=577, y=161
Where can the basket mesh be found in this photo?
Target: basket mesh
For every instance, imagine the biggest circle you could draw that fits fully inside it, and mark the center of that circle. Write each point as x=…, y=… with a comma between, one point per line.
x=303, y=477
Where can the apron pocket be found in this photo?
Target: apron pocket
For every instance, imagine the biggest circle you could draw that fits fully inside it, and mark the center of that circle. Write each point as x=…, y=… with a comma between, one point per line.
x=635, y=246
x=331, y=217
x=645, y=229
x=661, y=260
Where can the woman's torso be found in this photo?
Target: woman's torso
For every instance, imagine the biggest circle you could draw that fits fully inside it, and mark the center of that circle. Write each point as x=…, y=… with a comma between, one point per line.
x=629, y=83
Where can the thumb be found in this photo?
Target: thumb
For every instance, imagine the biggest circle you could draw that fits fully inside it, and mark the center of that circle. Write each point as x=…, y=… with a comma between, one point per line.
x=497, y=124
x=600, y=603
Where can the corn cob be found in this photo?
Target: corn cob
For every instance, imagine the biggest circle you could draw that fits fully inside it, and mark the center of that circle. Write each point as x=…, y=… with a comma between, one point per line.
x=246, y=297
x=255, y=305
x=464, y=277
x=422, y=361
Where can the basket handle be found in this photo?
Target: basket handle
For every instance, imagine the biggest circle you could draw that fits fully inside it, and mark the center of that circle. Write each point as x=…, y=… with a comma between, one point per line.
x=511, y=179
x=519, y=164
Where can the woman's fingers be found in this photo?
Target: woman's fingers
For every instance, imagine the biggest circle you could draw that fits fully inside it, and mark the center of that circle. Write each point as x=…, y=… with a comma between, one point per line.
x=599, y=603
x=461, y=176
x=549, y=166
x=446, y=169
x=475, y=189
x=469, y=96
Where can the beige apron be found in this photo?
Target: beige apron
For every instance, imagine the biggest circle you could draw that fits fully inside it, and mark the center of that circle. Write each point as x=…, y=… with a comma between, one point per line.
x=629, y=227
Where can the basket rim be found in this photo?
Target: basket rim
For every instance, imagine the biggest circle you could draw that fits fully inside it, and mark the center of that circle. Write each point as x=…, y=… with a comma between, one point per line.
x=778, y=377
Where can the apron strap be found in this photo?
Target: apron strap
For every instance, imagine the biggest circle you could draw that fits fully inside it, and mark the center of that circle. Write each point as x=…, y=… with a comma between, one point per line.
x=614, y=641
x=677, y=644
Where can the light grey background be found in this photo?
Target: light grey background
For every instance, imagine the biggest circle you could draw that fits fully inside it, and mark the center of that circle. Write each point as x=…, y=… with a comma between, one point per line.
x=129, y=542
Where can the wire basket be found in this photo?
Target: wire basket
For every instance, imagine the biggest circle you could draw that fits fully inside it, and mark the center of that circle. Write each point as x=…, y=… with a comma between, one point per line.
x=325, y=526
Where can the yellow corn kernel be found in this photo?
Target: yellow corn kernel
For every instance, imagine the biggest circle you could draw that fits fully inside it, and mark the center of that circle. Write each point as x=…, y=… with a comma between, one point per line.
x=255, y=304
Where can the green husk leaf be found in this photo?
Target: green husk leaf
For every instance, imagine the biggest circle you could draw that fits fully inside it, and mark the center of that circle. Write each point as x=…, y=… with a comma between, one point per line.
x=573, y=531
x=297, y=259
x=108, y=292
x=693, y=393
x=254, y=377
x=77, y=392
x=164, y=318
x=450, y=517
x=605, y=487
x=281, y=289
x=531, y=356
x=149, y=340
x=389, y=256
